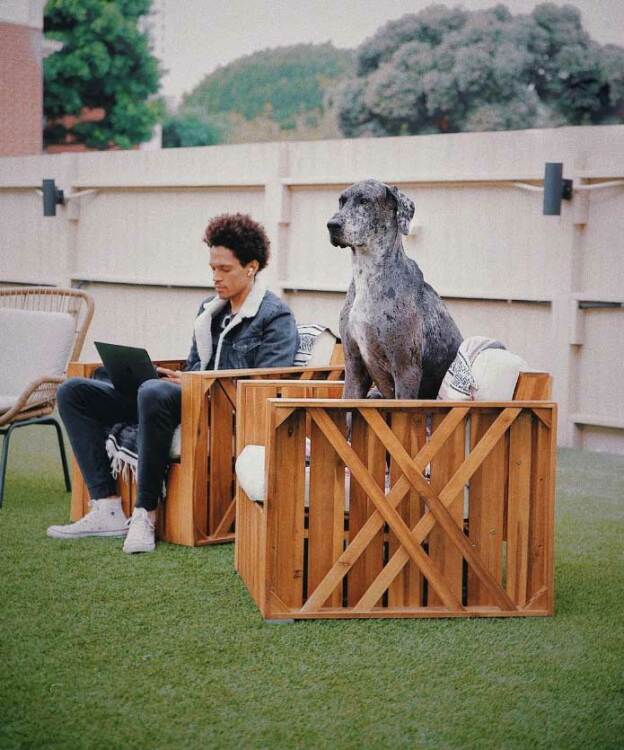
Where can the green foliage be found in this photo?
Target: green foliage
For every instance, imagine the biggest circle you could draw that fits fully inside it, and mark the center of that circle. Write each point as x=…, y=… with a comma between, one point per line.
x=279, y=84
x=189, y=131
x=449, y=70
x=105, y=64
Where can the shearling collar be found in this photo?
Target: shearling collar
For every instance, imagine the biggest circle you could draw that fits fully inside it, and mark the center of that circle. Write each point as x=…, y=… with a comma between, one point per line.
x=203, y=322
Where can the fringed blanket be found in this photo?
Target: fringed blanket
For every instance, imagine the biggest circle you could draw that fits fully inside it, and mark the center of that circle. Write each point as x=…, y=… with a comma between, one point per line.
x=122, y=449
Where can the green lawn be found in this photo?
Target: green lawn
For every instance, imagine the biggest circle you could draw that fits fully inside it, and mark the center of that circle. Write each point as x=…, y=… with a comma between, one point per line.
x=102, y=650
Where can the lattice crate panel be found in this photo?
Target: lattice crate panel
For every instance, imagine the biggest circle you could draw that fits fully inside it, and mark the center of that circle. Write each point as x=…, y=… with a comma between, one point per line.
x=477, y=499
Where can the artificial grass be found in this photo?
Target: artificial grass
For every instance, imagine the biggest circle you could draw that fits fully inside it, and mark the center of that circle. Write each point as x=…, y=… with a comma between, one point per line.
x=102, y=650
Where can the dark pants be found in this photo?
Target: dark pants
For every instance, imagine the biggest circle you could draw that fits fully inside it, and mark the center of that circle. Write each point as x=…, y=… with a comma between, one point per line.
x=89, y=408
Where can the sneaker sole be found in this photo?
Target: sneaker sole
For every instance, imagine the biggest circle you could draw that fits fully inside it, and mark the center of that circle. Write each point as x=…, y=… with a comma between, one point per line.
x=135, y=550
x=57, y=534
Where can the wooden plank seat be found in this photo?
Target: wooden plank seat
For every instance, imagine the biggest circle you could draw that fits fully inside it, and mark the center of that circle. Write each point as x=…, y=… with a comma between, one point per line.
x=200, y=504
x=450, y=507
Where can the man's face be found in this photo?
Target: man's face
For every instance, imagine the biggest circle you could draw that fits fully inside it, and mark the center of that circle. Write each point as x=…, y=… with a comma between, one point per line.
x=230, y=277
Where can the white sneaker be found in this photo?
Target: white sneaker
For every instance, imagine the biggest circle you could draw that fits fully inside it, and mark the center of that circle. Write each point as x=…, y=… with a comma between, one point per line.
x=141, y=535
x=106, y=518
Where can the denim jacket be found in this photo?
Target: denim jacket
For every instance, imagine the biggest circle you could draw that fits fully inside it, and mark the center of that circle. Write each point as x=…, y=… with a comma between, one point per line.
x=262, y=334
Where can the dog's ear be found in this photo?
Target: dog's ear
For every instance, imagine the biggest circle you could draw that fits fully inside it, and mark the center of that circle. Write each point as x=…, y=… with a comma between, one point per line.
x=404, y=207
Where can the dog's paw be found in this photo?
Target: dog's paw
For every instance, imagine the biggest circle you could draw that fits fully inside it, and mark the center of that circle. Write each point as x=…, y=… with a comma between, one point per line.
x=374, y=393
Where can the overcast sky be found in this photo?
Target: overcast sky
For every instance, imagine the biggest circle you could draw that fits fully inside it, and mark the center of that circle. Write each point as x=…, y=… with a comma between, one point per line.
x=196, y=36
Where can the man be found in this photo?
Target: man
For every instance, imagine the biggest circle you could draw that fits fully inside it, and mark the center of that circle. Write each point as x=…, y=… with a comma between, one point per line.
x=243, y=326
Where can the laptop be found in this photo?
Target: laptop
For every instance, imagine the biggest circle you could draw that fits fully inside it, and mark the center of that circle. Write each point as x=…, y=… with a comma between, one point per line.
x=127, y=366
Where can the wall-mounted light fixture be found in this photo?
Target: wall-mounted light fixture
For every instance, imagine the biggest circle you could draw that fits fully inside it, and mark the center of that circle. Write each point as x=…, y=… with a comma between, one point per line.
x=52, y=197
x=556, y=188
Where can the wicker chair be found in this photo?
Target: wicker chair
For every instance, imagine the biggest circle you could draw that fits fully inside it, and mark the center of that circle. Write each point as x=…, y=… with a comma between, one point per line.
x=24, y=309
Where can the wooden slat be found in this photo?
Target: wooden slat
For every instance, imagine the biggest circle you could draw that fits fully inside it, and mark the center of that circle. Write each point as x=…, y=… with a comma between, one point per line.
x=487, y=508
x=221, y=456
x=229, y=388
x=225, y=524
x=361, y=507
x=255, y=410
x=518, y=511
x=441, y=549
x=407, y=588
x=533, y=386
x=80, y=494
x=126, y=492
x=326, y=512
x=540, y=515
x=401, y=426
x=186, y=506
x=285, y=510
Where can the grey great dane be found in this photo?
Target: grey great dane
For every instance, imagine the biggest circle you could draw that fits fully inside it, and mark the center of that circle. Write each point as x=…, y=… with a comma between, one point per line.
x=395, y=329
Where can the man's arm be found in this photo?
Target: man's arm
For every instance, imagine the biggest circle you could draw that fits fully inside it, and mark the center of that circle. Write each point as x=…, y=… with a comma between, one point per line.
x=279, y=342
x=193, y=360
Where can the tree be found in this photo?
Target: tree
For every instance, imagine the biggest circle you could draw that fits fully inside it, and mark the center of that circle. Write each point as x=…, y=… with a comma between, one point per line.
x=183, y=132
x=104, y=74
x=279, y=84
x=449, y=70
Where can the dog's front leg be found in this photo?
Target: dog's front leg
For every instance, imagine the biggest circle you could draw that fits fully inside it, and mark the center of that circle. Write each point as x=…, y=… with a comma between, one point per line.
x=407, y=372
x=408, y=386
x=357, y=378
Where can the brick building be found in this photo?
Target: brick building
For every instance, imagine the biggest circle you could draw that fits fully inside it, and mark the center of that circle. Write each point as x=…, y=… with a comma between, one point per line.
x=22, y=49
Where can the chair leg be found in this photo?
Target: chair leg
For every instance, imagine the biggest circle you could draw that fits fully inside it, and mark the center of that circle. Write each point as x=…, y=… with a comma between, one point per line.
x=61, y=442
x=5, y=449
x=4, y=459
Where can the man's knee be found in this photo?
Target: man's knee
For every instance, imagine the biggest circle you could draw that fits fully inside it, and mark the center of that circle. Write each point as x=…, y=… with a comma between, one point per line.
x=154, y=396
x=70, y=392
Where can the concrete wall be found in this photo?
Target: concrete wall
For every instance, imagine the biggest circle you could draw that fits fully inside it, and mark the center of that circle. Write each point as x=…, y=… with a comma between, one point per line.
x=550, y=287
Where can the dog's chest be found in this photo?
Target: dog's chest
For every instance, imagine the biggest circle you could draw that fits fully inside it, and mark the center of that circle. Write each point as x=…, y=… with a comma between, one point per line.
x=362, y=326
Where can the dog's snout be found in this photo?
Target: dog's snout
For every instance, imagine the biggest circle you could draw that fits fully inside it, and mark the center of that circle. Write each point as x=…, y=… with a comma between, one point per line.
x=333, y=224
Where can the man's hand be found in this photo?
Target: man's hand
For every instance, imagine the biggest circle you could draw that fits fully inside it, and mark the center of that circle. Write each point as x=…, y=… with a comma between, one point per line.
x=173, y=376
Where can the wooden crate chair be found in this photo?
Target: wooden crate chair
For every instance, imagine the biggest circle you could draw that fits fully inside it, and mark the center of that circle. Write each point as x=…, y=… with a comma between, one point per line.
x=41, y=330
x=446, y=509
x=200, y=505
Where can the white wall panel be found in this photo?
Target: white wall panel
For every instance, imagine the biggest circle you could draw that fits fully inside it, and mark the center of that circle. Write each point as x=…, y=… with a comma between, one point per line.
x=154, y=235
x=599, y=388
x=602, y=245
x=156, y=318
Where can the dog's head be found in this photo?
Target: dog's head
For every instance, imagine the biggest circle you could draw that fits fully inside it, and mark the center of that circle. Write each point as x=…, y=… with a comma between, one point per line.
x=369, y=210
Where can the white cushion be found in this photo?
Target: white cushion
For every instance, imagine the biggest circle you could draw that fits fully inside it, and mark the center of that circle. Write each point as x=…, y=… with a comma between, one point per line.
x=250, y=472
x=322, y=349
x=496, y=372
x=176, y=441
x=33, y=344
x=316, y=345
x=482, y=371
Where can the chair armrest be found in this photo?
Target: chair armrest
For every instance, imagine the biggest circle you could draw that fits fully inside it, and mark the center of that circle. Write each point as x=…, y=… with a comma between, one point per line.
x=39, y=392
x=299, y=373
x=86, y=369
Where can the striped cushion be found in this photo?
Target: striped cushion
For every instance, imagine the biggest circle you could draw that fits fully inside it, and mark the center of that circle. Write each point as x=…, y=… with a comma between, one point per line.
x=316, y=344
